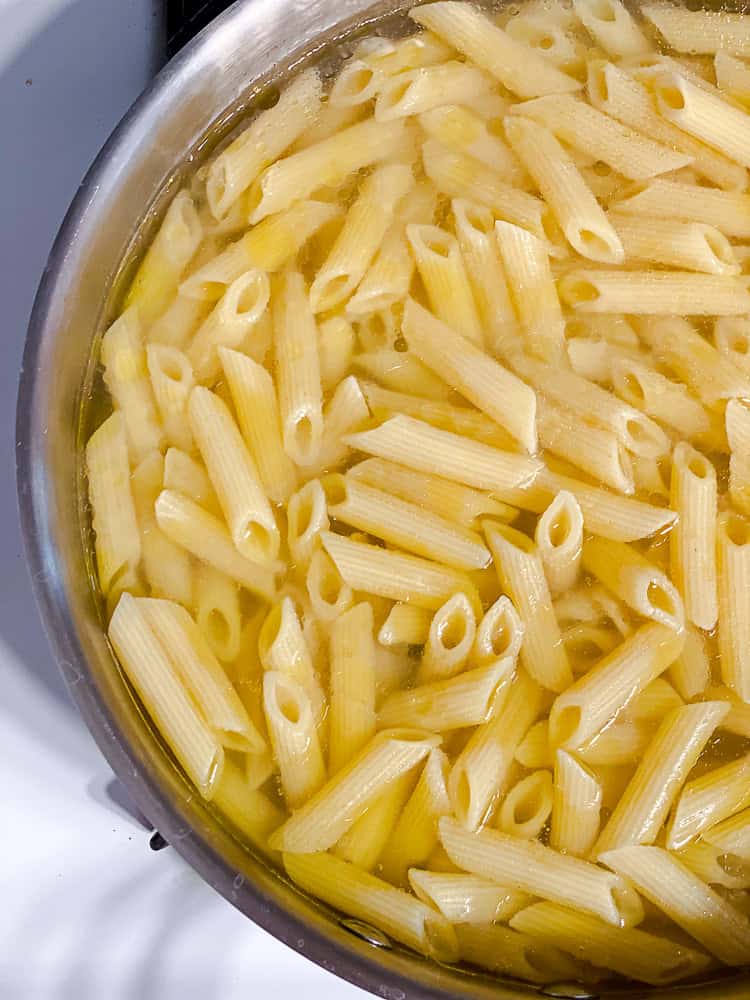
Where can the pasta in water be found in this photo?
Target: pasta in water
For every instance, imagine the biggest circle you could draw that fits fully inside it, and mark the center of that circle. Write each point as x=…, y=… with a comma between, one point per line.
x=421, y=518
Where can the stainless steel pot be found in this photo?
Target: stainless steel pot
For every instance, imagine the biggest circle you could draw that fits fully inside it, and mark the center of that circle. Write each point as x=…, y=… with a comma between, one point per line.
x=117, y=206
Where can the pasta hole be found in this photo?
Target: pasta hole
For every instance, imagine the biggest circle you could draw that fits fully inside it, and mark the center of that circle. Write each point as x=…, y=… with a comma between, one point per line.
x=500, y=639
x=672, y=97
x=301, y=518
x=564, y=724
x=334, y=487
x=639, y=434
x=393, y=97
x=288, y=706
x=452, y=632
x=442, y=248
x=329, y=587
x=328, y=293
x=576, y=290
x=358, y=81
x=559, y=530
x=217, y=626
x=250, y=297
x=739, y=343
x=304, y=434
x=699, y=467
x=719, y=247
x=593, y=244
x=597, y=83
x=546, y=42
x=483, y=222
x=253, y=198
x=171, y=367
x=632, y=386
x=463, y=794
x=258, y=536
x=733, y=865
x=737, y=530
x=659, y=598
x=600, y=168
x=525, y=809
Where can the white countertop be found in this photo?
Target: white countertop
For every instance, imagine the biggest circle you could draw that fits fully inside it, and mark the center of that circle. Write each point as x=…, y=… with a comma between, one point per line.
x=88, y=912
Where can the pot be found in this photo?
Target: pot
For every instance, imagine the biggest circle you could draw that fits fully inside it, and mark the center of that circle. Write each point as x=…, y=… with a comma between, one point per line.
x=168, y=131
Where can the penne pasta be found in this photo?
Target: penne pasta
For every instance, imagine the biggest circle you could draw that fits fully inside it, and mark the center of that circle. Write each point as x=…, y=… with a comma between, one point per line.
x=613, y=26
x=365, y=897
x=654, y=293
x=583, y=710
x=531, y=867
x=635, y=580
x=521, y=574
x=481, y=770
x=653, y=789
x=580, y=216
x=576, y=806
x=733, y=535
x=527, y=806
x=526, y=262
x=687, y=246
x=632, y=952
x=426, y=87
x=352, y=715
x=514, y=64
x=395, y=575
x=326, y=817
x=466, y=899
x=700, y=30
x=593, y=132
x=686, y=900
x=482, y=380
x=727, y=211
x=693, y=538
x=449, y=641
x=217, y=611
x=708, y=800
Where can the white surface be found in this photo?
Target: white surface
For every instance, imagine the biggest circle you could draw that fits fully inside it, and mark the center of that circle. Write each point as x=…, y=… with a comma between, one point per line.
x=87, y=911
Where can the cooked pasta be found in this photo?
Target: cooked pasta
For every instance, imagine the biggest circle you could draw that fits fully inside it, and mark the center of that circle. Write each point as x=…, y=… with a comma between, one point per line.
x=418, y=472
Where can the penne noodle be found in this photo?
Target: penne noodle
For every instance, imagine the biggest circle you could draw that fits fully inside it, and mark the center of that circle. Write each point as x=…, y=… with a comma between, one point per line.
x=531, y=867
x=700, y=30
x=514, y=64
x=505, y=952
x=415, y=835
x=469, y=132
x=632, y=952
x=481, y=770
x=395, y=575
x=687, y=246
x=171, y=250
x=352, y=715
x=117, y=538
x=667, y=402
x=234, y=477
x=283, y=648
x=612, y=25
x=467, y=699
x=499, y=634
x=254, y=398
x=583, y=127
x=727, y=211
x=415, y=444
x=227, y=325
x=693, y=538
x=635, y=580
x=534, y=750
x=328, y=592
x=298, y=370
x=217, y=611
x=453, y=501
x=686, y=900
x=466, y=899
x=171, y=382
x=654, y=293
x=521, y=574
x=482, y=380
x=613, y=90
x=185, y=474
x=366, y=224
x=307, y=516
x=365, y=897
x=426, y=87
x=595, y=699
x=152, y=674
x=204, y=536
x=449, y=641
x=363, y=844
x=327, y=163
x=460, y=176
x=708, y=800
x=737, y=422
x=527, y=806
x=123, y=356
x=661, y=773
x=590, y=402
x=441, y=267
x=265, y=139
x=405, y=626
x=733, y=535
x=326, y=817
x=404, y=524
x=580, y=216
x=526, y=262
x=576, y=806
